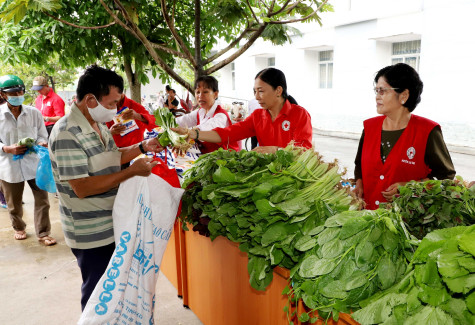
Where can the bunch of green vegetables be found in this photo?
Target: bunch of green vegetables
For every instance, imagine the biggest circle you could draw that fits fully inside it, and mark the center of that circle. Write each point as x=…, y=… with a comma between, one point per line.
x=438, y=288
x=29, y=142
x=435, y=204
x=269, y=203
x=165, y=119
x=353, y=255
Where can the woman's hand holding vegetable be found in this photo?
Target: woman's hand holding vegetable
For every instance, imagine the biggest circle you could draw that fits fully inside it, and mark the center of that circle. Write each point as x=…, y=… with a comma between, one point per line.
x=266, y=149
x=392, y=190
x=359, y=188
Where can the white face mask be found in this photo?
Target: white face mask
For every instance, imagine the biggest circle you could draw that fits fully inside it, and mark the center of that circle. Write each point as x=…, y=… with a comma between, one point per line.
x=100, y=113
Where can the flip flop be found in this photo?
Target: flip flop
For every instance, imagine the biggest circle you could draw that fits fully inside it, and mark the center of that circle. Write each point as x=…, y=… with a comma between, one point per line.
x=47, y=241
x=19, y=234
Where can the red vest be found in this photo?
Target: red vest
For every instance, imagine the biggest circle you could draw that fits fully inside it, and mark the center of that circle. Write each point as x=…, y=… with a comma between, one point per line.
x=208, y=146
x=405, y=162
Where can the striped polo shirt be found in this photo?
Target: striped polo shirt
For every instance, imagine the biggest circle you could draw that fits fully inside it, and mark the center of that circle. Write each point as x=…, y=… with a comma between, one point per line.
x=77, y=151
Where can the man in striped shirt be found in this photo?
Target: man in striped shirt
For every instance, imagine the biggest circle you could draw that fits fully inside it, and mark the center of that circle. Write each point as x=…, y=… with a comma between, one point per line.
x=86, y=168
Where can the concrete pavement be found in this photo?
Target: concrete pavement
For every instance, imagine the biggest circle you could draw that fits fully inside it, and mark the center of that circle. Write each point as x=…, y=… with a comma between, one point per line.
x=42, y=285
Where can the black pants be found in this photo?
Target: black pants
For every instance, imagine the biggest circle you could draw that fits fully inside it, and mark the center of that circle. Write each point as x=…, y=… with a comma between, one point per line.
x=93, y=263
x=49, y=128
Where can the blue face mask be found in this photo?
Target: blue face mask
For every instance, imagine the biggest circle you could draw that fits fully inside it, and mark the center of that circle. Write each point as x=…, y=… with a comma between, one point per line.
x=16, y=100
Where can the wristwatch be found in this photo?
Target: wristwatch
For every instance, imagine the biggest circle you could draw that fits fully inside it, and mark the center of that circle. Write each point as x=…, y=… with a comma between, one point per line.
x=142, y=150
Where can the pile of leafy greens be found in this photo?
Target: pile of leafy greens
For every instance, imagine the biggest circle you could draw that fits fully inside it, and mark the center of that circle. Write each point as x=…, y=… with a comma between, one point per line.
x=435, y=204
x=272, y=204
x=438, y=288
x=165, y=119
x=353, y=255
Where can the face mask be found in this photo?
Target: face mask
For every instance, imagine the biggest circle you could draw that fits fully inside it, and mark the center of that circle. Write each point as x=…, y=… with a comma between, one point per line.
x=16, y=100
x=100, y=113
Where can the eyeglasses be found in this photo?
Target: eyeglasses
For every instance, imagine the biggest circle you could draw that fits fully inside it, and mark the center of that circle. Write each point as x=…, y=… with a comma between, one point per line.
x=381, y=91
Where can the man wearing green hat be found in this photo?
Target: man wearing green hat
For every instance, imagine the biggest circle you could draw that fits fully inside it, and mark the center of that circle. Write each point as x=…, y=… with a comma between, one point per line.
x=18, y=121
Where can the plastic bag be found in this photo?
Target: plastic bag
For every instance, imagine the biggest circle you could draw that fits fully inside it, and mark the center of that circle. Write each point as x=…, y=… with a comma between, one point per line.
x=142, y=226
x=44, y=171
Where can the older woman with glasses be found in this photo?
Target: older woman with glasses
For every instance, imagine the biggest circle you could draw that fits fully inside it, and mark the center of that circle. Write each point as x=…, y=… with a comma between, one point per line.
x=398, y=146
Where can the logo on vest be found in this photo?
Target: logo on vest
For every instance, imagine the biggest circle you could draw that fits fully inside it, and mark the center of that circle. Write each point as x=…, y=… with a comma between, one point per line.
x=411, y=152
x=286, y=125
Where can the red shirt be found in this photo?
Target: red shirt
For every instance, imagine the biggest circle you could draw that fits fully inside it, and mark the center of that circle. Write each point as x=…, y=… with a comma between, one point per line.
x=208, y=146
x=405, y=161
x=292, y=123
x=137, y=135
x=51, y=105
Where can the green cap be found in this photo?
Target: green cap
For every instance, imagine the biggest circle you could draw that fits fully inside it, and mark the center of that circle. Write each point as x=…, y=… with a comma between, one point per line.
x=10, y=83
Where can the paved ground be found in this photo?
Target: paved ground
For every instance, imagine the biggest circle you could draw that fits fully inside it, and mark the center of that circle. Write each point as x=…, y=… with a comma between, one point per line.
x=41, y=285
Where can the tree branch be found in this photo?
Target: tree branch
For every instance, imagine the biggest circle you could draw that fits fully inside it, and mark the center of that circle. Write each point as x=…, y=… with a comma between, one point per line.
x=177, y=37
x=284, y=7
x=116, y=19
x=134, y=30
x=238, y=53
x=168, y=50
x=230, y=46
x=282, y=22
x=77, y=26
x=252, y=11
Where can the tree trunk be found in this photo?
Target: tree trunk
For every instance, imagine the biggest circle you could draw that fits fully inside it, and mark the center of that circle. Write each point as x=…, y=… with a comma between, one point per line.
x=134, y=84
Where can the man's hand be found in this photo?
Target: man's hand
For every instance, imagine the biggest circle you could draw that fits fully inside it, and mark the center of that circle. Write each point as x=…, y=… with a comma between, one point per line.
x=152, y=145
x=266, y=149
x=359, y=188
x=142, y=166
x=15, y=149
x=43, y=144
x=117, y=128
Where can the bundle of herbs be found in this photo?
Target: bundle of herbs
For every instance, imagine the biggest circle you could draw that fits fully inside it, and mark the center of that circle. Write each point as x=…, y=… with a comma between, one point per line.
x=165, y=119
x=437, y=289
x=353, y=255
x=269, y=203
x=435, y=204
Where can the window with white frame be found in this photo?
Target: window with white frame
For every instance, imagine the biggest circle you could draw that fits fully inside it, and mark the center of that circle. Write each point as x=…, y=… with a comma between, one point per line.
x=325, y=64
x=407, y=52
x=233, y=76
x=271, y=62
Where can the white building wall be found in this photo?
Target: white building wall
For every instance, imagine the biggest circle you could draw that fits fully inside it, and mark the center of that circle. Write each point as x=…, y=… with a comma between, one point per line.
x=361, y=33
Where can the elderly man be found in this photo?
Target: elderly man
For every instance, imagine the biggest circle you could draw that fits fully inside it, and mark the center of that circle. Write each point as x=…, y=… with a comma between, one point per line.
x=48, y=102
x=19, y=121
x=87, y=171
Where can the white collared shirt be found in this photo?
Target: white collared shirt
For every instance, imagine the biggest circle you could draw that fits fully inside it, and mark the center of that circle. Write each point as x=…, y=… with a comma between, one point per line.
x=207, y=120
x=29, y=124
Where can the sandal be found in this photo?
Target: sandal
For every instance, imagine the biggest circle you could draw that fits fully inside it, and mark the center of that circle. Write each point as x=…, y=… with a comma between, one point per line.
x=19, y=234
x=47, y=241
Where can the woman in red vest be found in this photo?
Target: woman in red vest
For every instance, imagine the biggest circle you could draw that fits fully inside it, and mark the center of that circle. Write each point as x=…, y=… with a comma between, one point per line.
x=398, y=146
x=279, y=122
x=210, y=115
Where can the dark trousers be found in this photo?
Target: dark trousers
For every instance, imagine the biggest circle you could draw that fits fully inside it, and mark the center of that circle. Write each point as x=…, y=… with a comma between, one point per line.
x=49, y=128
x=13, y=193
x=93, y=263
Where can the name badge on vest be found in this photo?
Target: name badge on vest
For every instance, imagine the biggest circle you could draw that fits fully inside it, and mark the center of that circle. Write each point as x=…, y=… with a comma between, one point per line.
x=286, y=125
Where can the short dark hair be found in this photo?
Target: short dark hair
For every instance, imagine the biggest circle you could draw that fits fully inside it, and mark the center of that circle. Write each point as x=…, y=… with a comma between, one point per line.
x=275, y=78
x=98, y=81
x=167, y=88
x=173, y=91
x=402, y=76
x=209, y=81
